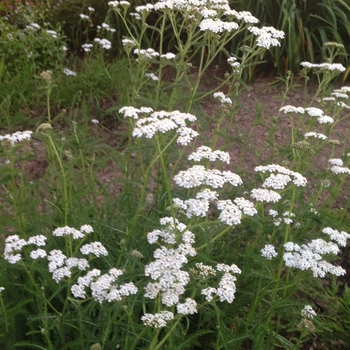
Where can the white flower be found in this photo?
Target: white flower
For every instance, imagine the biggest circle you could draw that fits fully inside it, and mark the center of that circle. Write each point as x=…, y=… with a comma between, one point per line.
x=267, y=36
x=222, y=98
x=217, y=26
x=277, y=182
x=82, y=16
x=291, y=109
x=146, y=53
x=168, y=56
x=335, y=235
x=336, y=161
x=60, y=273
x=268, y=252
x=315, y=135
x=38, y=240
x=230, y=212
x=129, y=42
x=67, y=71
x=308, y=312
x=246, y=206
x=325, y=119
x=158, y=320
x=52, y=33
x=309, y=257
x=95, y=248
x=187, y=308
x=339, y=170
x=152, y=76
x=205, y=152
x=106, y=44
x=324, y=66
x=95, y=121
x=314, y=112
x=39, y=253
x=18, y=136
x=56, y=259
x=2, y=289
x=263, y=195
x=87, y=47
x=68, y=231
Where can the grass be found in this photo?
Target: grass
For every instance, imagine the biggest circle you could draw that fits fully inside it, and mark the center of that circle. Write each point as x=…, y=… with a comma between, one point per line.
x=113, y=236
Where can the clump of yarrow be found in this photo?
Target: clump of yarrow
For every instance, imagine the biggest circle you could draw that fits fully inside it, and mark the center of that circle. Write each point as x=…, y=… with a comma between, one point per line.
x=104, y=287
x=309, y=256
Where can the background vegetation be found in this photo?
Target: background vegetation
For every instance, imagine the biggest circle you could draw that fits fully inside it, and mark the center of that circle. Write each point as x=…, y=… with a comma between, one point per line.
x=83, y=166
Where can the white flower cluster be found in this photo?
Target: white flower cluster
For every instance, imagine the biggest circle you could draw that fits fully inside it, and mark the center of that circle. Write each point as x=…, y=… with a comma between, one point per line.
x=95, y=248
x=264, y=195
x=315, y=135
x=222, y=98
x=168, y=56
x=268, y=252
x=203, y=271
x=128, y=42
x=267, y=36
x=205, y=152
x=217, y=25
x=107, y=27
x=309, y=257
x=230, y=212
x=166, y=269
x=227, y=288
x=67, y=71
x=70, y=231
x=103, y=287
x=189, y=307
x=336, y=161
x=18, y=136
x=311, y=111
x=168, y=233
x=324, y=66
x=232, y=61
x=87, y=47
x=151, y=76
x=106, y=44
x=132, y=112
x=286, y=217
x=340, y=170
x=146, y=54
x=14, y=245
x=298, y=179
x=198, y=176
x=60, y=266
x=158, y=320
x=308, y=312
x=335, y=235
x=161, y=121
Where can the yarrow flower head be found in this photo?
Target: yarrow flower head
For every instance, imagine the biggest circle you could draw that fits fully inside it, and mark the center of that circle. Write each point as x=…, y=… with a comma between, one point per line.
x=158, y=320
x=163, y=122
x=267, y=36
x=16, y=137
x=309, y=257
x=67, y=71
x=106, y=44
x=308, y=312
x=333, y=67
x=205, y=152
x=268, y=252
x=222, y=98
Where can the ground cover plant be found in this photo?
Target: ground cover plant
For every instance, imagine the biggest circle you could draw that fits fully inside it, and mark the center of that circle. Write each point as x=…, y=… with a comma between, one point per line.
x=139, y=212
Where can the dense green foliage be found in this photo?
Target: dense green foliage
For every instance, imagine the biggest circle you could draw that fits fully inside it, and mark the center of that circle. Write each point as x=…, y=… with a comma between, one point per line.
x=91, y=157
